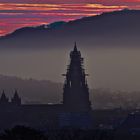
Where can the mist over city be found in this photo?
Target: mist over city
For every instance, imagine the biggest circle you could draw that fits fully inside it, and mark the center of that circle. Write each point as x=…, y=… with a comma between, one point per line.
x=69, y=69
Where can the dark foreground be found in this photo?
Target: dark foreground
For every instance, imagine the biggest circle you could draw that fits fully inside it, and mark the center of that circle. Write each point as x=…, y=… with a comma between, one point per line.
x=26, y=133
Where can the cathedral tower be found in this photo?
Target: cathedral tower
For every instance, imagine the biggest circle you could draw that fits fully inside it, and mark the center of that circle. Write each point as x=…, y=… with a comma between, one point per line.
x=16, y=100
x=4, y=100
x=76, y=92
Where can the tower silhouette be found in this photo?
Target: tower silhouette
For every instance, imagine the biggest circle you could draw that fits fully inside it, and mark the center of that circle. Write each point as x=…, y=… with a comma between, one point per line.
x=16, y=100
x=76, y=92
x=4, y=100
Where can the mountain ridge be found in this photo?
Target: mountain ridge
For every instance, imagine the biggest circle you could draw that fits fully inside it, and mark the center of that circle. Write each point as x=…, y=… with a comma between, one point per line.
x=118, y=28
x=60, y=23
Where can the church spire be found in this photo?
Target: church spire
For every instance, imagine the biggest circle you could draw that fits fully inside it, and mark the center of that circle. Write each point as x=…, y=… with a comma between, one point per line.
x=16, y=94
x=75, y=47
x=76, y=94
x=4, y=99
x=16, y=100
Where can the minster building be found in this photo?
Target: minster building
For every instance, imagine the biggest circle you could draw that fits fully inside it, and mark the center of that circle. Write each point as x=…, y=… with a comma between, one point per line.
x=76, y=93
x=74, y=110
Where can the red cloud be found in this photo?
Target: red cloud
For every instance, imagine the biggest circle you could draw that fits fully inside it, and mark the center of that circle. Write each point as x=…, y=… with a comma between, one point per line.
x=20, y=13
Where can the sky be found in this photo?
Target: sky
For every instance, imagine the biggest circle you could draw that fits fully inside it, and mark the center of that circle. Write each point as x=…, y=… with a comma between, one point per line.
x=20, y=13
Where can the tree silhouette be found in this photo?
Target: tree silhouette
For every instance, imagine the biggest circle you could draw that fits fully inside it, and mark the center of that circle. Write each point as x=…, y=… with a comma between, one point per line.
x=22, y=133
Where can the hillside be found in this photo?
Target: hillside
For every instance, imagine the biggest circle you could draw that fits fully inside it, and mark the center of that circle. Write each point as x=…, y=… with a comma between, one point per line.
x=114, y=29
x=31, y=90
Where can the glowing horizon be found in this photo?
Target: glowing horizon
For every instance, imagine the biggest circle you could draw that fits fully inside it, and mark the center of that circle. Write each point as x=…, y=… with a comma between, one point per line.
x=17, y=14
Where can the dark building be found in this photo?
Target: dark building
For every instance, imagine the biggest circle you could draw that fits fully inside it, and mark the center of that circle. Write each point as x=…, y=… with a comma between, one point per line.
x=4, y=100
x=76, y=93
x=73, y=112
x=129, y=128
x=16, y=100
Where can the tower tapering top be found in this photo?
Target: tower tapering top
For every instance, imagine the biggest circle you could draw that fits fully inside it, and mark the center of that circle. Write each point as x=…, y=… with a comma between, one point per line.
x=16, y=94
x=3, y=98
x=16, y=100
x=3, y=95
x=75, y=47
x=76, y=94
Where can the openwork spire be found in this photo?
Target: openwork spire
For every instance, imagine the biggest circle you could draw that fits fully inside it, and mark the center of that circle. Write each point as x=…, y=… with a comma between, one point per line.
x=16, y=100
x=75, y=47
x=16, y=96
x=76, y=93
x=4, y=99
